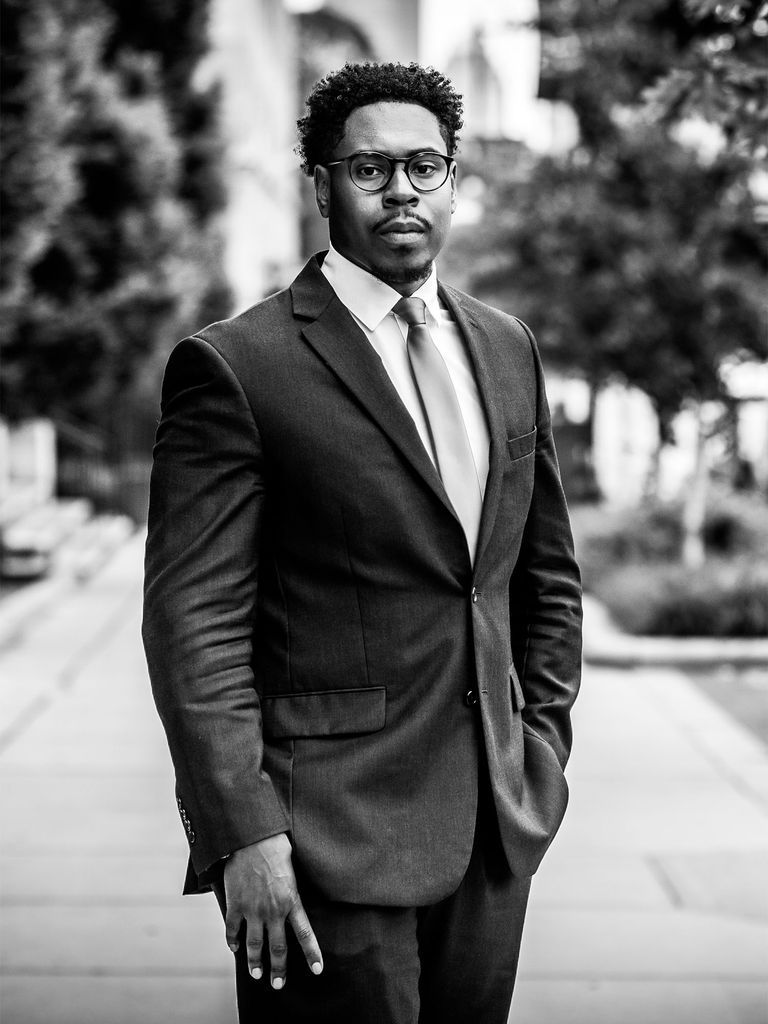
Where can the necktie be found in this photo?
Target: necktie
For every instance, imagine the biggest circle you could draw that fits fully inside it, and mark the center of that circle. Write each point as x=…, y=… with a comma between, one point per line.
x=450, y=444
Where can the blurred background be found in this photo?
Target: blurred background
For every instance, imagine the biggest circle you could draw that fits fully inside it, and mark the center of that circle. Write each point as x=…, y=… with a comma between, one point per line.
x=613, y=194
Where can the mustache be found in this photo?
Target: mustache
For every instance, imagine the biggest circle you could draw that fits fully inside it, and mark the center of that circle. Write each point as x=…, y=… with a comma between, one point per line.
x=397, y=218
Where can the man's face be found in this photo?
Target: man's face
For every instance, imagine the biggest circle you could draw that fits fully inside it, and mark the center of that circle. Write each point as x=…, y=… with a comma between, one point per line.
x=396, y=233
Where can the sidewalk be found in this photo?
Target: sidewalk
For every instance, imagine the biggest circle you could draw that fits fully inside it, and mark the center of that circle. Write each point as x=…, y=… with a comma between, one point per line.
x=651, y=908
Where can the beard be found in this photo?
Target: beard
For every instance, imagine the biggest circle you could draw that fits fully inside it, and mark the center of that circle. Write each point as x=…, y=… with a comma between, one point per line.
x=394, y=276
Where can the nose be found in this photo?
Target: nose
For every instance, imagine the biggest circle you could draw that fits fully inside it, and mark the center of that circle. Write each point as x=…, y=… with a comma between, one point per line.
x=400, y=191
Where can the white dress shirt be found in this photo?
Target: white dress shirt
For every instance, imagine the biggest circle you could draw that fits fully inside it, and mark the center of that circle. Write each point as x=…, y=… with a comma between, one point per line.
x=370, y=302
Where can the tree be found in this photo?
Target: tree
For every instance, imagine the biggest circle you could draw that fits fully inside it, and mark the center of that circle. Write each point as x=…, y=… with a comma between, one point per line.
x=638, y=258
x=110, y=185
x=722, y=79
x=599, y=55
x=681, y=58
x=644, y=266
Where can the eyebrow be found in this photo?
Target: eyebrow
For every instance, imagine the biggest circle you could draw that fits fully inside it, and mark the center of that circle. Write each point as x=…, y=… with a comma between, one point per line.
x=395, y=156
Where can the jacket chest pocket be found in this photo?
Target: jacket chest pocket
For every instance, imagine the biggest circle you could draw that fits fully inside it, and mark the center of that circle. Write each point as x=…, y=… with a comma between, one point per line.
x=522, y=445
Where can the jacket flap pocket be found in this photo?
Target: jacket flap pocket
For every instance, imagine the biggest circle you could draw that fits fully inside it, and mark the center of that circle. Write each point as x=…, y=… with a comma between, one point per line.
x=522, y=445
x=518, y=697
x=324, y=713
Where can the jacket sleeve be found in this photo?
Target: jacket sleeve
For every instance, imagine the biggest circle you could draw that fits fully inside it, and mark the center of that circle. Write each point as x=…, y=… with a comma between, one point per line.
x=206, y=507
x=545, y=596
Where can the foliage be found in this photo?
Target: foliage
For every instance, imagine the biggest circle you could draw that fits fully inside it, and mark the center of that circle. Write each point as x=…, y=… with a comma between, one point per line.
x=605, y=538
x=723, y=78
x=635, y=257
x=598, y=56
x=685, y=58
x=643, y=265
x=110, y=182
x=630, y=560
x=736, y=526
x=720, y=599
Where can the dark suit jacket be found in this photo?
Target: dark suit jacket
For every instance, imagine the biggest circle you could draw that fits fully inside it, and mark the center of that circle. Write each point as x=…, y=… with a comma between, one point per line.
x=313, y=621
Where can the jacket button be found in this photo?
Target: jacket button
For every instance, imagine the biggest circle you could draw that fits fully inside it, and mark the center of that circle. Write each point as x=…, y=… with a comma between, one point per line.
x=475, y=595
x=470, y=698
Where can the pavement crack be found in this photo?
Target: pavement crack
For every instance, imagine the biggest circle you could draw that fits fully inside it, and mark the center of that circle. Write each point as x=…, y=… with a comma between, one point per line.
x=673, y=894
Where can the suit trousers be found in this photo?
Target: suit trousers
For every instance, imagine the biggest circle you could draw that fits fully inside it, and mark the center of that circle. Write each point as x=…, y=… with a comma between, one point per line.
x=453, y=962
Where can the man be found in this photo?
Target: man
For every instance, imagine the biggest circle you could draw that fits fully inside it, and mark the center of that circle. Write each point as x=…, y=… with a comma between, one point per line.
x=362, y=612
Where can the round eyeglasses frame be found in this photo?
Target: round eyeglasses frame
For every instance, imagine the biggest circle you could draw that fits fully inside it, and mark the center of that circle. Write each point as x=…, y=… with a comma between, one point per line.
x=391, y=163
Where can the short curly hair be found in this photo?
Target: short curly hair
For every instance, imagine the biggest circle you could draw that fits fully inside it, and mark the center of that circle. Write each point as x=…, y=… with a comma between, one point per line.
x=334, y=98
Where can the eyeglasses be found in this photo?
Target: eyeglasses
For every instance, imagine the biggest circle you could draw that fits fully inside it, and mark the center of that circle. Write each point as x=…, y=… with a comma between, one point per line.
x=372, y=172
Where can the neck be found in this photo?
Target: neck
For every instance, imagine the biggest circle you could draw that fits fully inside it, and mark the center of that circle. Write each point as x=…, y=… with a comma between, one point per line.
x=407, y=288
x=405, y=281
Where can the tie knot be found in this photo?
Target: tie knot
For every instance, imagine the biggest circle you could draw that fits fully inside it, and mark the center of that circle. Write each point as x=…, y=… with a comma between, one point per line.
x=413, y=311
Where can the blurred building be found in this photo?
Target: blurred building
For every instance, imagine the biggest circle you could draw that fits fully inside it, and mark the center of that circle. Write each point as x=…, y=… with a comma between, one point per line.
x=327, y=40
x=392, y=26
x=331, y=34
x=267, y=54
x=254, y=57
x=490, y=49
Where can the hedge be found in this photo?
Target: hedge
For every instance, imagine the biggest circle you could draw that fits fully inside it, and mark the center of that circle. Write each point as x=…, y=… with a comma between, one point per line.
x=721, y=599
x=630, y=560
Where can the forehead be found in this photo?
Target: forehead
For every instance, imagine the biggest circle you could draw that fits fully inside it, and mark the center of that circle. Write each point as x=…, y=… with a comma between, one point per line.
x=396, y=128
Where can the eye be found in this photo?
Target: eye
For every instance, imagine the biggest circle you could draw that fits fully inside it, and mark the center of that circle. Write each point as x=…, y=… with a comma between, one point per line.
x=369, y=169
x=424, y=167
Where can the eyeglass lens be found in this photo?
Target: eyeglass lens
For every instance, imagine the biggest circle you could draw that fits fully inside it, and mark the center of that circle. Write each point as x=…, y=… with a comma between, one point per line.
x=373, y=171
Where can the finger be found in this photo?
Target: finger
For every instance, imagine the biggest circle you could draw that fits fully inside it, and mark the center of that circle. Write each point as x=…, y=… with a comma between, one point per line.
x=307, y=939
x=278, y=953
x=232, y=924
x=254, y=945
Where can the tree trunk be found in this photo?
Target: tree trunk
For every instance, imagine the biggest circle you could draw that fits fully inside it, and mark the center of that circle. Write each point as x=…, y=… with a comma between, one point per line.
x=695, y=502
x=651, y=484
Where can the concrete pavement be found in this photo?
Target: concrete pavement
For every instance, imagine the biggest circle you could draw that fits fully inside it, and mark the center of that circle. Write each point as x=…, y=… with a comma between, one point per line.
x=651, y=907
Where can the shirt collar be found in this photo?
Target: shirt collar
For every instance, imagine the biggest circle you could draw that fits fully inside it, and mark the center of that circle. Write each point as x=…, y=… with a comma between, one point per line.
x=369, y=298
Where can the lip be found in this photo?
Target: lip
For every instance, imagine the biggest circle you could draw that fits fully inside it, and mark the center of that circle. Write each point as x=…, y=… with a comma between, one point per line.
x=402, y=227
x=401, y=239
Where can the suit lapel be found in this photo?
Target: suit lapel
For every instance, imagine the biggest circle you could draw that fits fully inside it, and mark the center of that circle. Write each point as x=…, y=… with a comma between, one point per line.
x=481, y=352
x=336, y=338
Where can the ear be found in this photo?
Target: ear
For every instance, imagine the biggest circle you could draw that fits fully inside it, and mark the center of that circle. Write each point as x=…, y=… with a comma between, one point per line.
x=323, y=190
x=453, y=179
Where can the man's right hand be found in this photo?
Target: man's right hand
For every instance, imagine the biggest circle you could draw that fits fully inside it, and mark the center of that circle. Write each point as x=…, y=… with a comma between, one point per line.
x=260, y=888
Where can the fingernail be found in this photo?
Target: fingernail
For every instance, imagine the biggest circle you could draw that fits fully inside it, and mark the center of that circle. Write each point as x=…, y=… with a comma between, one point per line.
x=256, y=972
x=277, y=983
x=233, y=946
x=317, y=967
